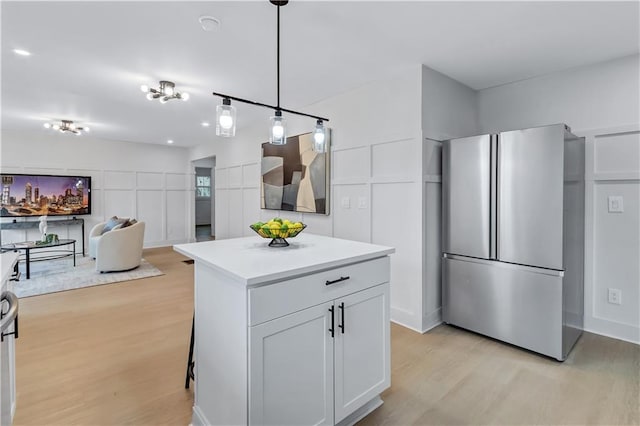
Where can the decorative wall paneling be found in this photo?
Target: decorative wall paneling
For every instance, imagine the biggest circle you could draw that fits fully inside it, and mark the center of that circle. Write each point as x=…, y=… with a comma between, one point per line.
x=612, y=239
x=161, y=200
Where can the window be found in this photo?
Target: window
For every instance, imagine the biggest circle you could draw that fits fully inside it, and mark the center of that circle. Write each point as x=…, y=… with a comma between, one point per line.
x=203, y=186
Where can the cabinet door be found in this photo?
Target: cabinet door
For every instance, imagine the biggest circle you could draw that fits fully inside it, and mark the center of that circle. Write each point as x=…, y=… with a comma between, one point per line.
x=362, y=349
x=291, y=369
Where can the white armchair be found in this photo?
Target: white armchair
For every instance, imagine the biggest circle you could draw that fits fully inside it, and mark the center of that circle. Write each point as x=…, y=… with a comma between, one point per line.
x=118, y=249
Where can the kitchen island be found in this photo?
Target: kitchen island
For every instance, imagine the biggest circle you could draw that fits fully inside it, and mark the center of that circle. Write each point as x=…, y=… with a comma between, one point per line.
x=289, y=335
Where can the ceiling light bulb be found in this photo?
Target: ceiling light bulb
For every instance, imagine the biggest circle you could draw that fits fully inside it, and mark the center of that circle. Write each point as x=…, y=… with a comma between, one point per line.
x=150, y=96
x=319, y=137
x=205, y=124
x=184, y=96
x=170, y=141
x=168, y=90
x=226, y=119
x=144, y=88
x=72, y=126
x=56, y=127
x=278, y=130
x=47, y=125
x=86, y=129
x=277, y=133
x=21, y=52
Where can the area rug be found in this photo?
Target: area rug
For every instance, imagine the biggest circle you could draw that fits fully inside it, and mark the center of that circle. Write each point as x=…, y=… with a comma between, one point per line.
x=60, y=275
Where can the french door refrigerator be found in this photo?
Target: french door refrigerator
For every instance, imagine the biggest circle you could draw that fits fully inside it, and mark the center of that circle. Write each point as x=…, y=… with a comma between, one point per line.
x=513, y=237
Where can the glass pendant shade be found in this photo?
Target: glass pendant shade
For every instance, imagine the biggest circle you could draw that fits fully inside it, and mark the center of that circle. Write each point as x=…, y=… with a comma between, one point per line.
x=226, y=119
x=278, y=129
x=319, y=138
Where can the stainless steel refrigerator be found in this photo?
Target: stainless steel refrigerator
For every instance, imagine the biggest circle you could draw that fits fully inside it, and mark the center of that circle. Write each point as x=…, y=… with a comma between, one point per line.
x=513, y=237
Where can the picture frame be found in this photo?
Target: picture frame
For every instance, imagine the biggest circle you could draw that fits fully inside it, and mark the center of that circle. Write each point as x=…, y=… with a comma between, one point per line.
x=294, y=177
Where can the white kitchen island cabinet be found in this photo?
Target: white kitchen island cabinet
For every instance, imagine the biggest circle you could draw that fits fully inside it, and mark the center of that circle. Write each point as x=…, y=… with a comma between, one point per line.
x=294, y=335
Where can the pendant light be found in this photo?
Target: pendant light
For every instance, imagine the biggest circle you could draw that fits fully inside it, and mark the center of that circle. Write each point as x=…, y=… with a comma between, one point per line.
x=319, y=137
x=226, y=113
x=226, y=119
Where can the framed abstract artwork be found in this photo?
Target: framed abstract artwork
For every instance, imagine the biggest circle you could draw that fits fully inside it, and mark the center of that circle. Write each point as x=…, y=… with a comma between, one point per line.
x=295, y=177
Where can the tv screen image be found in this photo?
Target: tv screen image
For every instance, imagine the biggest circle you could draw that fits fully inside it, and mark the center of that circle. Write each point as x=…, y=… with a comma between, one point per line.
x=39, y=195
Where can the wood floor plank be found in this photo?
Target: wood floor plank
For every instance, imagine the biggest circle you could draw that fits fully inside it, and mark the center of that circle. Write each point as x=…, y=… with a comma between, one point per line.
x=116, y=354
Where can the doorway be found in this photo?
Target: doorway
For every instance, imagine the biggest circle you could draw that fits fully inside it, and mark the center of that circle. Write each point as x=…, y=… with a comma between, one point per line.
x=205, y=211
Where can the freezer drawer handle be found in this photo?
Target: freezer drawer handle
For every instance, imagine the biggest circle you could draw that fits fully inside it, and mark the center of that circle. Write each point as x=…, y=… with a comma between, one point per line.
x=336, y=281
x=6, y=318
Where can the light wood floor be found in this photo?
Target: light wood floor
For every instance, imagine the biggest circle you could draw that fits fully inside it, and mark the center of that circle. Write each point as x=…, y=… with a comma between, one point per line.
x=115, y=355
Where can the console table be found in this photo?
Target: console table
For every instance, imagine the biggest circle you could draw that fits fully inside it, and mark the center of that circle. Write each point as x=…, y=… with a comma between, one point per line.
x=50, y=223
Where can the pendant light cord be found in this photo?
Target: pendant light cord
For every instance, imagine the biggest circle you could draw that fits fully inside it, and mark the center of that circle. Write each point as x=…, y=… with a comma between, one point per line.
x=278, y=56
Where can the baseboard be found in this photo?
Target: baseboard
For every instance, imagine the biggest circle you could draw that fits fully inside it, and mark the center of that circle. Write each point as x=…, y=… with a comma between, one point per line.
x=166, y=243
x=406, y=319
x=615, y=330
x=431, y=320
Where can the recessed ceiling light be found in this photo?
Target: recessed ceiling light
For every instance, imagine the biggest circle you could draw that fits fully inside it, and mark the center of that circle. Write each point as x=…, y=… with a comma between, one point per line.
x=205, y=124
x=209, y=23
x=21, y=52
x=170, y=141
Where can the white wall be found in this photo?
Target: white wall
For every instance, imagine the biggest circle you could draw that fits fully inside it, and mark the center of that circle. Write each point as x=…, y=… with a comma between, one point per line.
x=449, y=110
x=600, y=102
x=152, y=183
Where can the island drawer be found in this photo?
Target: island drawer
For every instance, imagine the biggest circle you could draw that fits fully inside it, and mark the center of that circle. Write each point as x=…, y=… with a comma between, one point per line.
x=282, y=298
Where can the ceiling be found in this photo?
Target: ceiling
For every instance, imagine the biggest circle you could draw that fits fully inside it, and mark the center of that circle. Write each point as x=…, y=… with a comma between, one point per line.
x=89, y=58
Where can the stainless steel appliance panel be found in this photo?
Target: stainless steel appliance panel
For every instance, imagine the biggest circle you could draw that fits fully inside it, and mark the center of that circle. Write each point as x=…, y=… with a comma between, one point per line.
x=530, y=195
x=516, y=304
x=466, y=183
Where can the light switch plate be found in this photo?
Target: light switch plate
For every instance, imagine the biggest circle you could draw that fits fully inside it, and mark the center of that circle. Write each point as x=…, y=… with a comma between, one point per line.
x=616, y=204
x=362, y=202
x=346, y=203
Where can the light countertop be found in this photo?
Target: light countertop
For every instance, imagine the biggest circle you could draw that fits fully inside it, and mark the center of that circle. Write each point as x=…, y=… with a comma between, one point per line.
x=250, y=261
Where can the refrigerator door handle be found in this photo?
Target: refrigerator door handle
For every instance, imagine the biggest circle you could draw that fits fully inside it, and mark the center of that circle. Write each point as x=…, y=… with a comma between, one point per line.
x=493, y=203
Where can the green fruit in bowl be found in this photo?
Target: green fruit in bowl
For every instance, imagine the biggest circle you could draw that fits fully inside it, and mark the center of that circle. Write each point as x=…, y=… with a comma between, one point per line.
x=266, y=230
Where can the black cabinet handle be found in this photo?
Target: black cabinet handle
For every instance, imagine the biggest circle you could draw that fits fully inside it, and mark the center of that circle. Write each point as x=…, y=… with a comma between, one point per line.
x=341, y=325
x=337, y=281
x=332, y=318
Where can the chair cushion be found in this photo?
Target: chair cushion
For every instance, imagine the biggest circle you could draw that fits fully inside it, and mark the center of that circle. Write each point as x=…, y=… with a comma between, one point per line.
x=112, y=223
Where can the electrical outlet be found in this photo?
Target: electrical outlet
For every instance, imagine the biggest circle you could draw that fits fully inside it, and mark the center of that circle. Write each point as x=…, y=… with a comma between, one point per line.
x=616, y=204
x=615, y=296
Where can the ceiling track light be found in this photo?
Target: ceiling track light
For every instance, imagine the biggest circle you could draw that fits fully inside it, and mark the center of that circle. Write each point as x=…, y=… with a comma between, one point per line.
x=164, y=93
x=66, y=126
x=226, y=113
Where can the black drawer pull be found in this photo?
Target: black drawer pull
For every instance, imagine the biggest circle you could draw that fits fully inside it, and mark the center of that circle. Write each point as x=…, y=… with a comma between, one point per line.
x=336, y=281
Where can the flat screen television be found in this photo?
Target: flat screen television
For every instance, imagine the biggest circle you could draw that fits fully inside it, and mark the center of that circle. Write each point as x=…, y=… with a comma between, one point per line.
x=39, y=195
